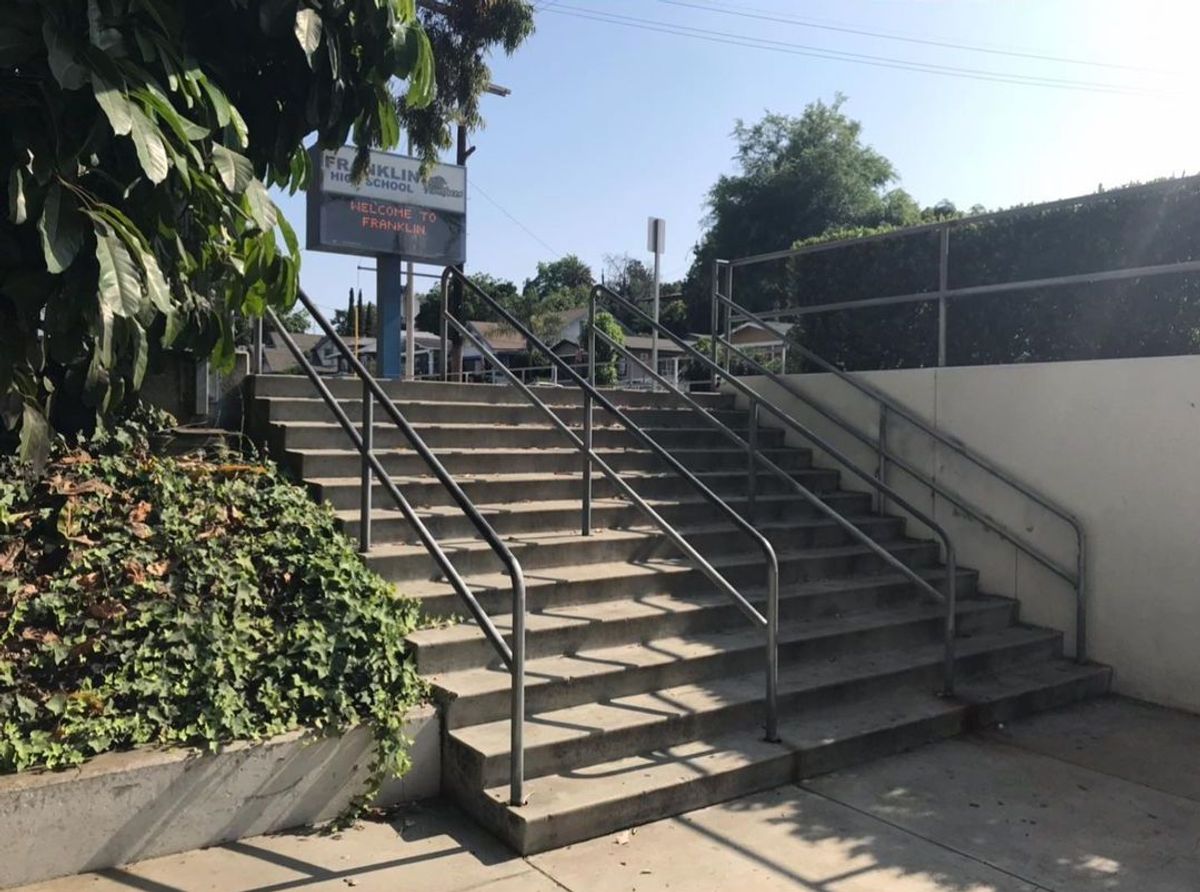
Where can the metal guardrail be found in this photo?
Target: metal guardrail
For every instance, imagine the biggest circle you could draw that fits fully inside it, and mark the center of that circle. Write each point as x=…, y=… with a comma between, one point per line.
x=513, y=657
x=944, y=293
x=890, y=407
x=534, y=374
x=591, y=395
x=755, y=458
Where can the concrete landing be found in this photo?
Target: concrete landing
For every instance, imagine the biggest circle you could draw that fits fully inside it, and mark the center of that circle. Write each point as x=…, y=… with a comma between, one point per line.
x=1100, y=796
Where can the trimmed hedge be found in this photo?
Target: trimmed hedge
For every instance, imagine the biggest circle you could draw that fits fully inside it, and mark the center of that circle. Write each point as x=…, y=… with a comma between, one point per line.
x=1118, y=229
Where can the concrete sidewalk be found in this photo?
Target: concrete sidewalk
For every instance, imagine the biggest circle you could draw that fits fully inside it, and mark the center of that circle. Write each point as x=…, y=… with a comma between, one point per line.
x=1104, y=795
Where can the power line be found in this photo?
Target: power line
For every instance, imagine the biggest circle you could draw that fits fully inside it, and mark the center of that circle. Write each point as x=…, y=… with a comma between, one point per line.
x=764, y=16
x=533, y=235
x=730, y=39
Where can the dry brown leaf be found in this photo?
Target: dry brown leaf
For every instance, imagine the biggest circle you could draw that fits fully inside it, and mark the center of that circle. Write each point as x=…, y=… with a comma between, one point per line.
x=140, y=512
x=135, y=571
x=42, y=636
x=158, y=569
x=140, y=530
x=89, y=580
x=75, y=458
x=8, y=558
x=106, y=610
x=69, y=488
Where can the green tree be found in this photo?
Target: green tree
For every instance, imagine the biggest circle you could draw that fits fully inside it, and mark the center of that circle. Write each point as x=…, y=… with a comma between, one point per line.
x=673, y=315
x=297, y=321
x=606, y=356
x=462, y=34
x=140, y=138
x=568, y=273
x=542, y=313
x=475, y=308
x=798, y=178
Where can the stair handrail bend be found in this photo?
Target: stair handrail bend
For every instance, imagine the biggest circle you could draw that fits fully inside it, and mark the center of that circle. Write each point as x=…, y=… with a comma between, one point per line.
x=770, y=622
x=757, y=401
x=888, y=404
x=513, y=657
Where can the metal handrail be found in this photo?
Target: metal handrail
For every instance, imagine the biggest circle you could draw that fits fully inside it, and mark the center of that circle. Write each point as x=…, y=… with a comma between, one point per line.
x=513, y=657
x=890, y=406
x=949, y=597
x=770, y=622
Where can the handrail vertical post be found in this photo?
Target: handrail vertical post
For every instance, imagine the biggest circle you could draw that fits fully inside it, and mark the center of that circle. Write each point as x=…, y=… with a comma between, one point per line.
x=772, y=727
x=882, y=466
x=751, y=452
x=1080, y=596
x=256, y=354
x=517, y=718
x=587, y=418
x=445, y=325
x=714, y=316
x=951, y=620
x=368, y=442
x=943, y=287
x=728, y=315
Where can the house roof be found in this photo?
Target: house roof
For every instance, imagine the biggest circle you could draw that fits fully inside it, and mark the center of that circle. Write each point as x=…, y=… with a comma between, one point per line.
x=304, y=340
x=645, y=342
x=365, y=344
x=278, y=360
x=572, y=315
x=499, y=336
x=779, y=328
x=426, y=340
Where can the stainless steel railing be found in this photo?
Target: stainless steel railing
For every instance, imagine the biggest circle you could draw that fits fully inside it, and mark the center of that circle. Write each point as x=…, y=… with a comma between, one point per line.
x=756, y=458
x=513, y=657
x=889, y=408
x=769, y=622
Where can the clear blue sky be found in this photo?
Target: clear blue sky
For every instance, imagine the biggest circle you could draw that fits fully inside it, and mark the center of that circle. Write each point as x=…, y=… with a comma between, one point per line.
x=610, y=123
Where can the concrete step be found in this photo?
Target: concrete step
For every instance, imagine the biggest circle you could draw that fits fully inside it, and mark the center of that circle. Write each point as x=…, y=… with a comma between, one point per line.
x=515, y=412
x=567, y=807
x=328, y=435
x=477, y=695
x=558, y=741
x=343, y=492
x=559, y=587
x=448, y=522
x=439, y=391
x=549, y=459
x=573, y=628
x=536, y=551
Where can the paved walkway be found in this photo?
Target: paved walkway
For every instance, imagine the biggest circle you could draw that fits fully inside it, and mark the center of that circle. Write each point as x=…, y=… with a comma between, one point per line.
x=1102, y=796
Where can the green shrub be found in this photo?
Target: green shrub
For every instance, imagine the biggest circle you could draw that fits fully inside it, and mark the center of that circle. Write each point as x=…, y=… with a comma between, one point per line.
x=185, y=601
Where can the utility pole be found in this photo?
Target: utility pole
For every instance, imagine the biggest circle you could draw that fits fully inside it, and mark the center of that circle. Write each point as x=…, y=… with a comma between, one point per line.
x=462, y=153
x=410, y=315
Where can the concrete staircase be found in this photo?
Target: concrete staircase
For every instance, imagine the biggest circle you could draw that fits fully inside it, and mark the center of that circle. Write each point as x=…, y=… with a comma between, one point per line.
x=644, y=684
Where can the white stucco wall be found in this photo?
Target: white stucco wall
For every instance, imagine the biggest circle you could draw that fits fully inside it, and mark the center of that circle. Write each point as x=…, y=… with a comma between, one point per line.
x=1115, y=441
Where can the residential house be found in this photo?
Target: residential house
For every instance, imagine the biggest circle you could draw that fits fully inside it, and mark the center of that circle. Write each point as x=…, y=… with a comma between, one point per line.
x=767, y=345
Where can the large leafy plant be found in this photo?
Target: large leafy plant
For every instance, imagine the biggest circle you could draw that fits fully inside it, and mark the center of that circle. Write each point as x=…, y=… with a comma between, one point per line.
x=139, y=138
x=147, y=599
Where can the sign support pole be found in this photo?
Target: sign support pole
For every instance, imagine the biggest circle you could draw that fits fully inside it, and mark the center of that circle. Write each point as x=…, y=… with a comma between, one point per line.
x=656, y=241
x=657, y=285
x=389, y=294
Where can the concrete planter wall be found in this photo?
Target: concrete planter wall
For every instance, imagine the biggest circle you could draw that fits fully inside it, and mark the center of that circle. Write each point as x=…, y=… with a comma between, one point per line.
x=123, y=807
